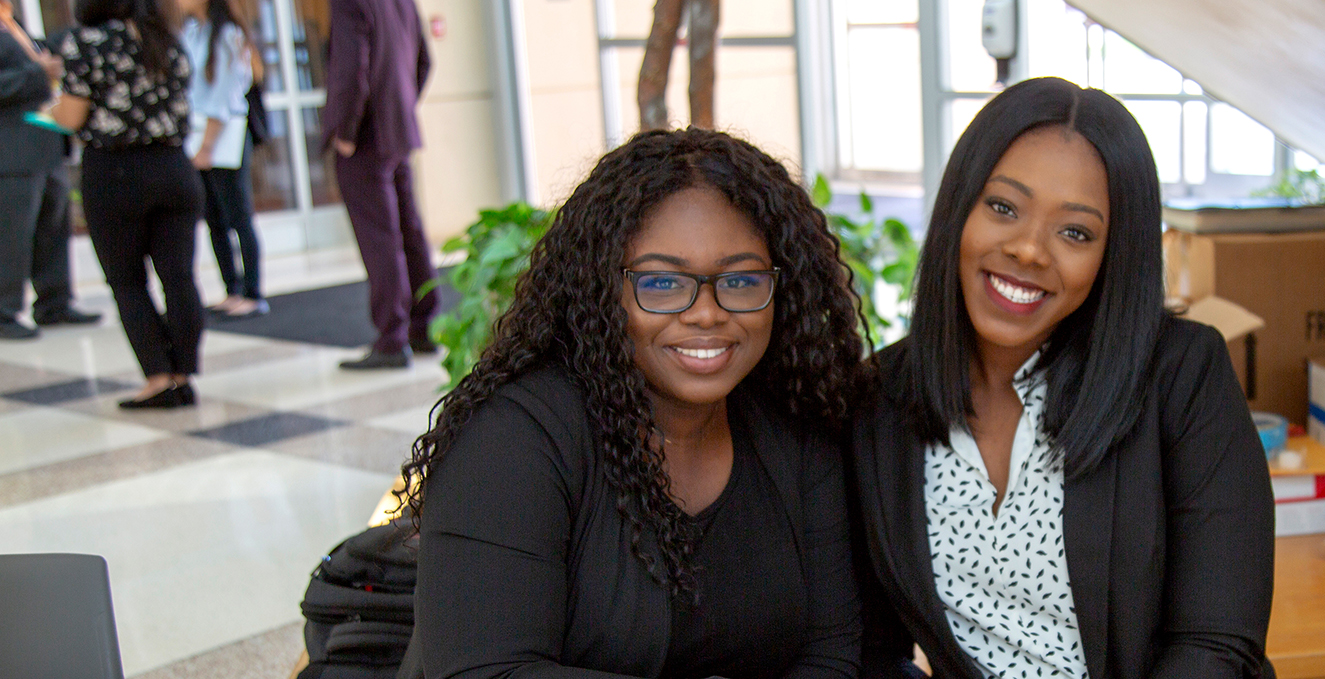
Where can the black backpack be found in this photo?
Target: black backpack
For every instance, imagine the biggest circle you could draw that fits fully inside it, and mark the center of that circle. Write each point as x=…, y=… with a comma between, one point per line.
x=360, y=605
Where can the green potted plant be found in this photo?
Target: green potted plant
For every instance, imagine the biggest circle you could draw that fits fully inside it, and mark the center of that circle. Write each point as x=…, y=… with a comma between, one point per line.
x=496, y=248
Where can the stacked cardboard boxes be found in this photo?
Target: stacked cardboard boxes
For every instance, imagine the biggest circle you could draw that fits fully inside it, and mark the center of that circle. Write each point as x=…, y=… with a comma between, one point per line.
x=1278, y=277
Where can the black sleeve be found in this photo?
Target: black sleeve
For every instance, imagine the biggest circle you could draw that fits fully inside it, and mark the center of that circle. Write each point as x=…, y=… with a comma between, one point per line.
x=886, y=644
x=23, y=83
x=834, y=648
x=495, y=528
x=1220, y=555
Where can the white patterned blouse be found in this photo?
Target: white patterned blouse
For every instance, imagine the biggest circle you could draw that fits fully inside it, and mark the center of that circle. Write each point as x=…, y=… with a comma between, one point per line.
x=1003, y=577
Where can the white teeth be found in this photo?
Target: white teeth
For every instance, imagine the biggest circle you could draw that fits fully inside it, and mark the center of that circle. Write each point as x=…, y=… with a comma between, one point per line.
x=1014, y=293
x=700, y=353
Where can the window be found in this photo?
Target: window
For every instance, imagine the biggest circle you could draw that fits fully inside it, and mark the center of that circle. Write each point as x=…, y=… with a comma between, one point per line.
x=877, y=45
x=1201, y=146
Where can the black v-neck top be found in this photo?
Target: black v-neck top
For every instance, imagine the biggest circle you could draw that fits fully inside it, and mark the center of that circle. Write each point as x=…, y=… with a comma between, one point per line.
x=747, y=566
x=526, y=567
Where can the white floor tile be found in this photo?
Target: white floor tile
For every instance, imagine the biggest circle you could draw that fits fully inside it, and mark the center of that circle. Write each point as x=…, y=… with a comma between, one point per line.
x=309, y=380
x=412, y=421
x=103, y=350
x=203, y=554
x=36, y=437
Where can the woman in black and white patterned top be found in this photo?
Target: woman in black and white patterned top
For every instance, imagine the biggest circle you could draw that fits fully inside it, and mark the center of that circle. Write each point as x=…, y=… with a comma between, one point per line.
x=1055, y=477
x=126, y=94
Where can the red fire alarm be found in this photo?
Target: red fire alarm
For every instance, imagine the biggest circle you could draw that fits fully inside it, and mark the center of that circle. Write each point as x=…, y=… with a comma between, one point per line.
x=437, y=26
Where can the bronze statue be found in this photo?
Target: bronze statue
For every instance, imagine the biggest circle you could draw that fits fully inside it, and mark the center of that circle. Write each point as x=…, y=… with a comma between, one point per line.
x=702, y=19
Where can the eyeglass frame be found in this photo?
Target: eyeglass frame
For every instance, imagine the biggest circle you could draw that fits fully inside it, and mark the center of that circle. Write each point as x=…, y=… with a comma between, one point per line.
x=700, y=280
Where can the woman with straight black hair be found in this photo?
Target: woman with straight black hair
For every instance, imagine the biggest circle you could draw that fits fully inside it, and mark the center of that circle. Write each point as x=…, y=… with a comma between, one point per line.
x=126, y=94
x=1055, y=477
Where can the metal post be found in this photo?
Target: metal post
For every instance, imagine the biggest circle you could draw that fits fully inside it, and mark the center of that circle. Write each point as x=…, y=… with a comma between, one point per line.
x=511, y=89
x=609, y=75
x=935, y=128
x=814, y=87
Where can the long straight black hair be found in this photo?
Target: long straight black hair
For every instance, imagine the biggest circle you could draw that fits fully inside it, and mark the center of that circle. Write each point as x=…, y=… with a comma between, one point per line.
x=1097, y=358
x=220, y=13
x=158, y=22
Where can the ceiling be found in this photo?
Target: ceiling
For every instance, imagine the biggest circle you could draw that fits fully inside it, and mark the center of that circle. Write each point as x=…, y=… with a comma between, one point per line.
x=1266, y=57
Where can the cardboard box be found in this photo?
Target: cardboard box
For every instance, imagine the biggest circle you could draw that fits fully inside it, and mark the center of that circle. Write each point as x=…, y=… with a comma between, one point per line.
x=1279, y=277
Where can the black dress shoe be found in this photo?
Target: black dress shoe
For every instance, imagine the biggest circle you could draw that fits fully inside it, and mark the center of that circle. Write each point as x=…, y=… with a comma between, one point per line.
x=15, y=330
x=375, y=360
x=186, y=395
x=166, y=398
x=66, y=316
x=422, y=345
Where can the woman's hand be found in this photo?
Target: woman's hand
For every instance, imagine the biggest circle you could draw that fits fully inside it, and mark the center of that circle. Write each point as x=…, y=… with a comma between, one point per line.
x=344, y=148
x=203, y=158
x=71, y=111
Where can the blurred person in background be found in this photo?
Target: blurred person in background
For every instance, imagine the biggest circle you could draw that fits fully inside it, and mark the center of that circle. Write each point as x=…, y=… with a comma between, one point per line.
x=126, y=94
x=220, y=47
x=34, y=187
x=377, y=62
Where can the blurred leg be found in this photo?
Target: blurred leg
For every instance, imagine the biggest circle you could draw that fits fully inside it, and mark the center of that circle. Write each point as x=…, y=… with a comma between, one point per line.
x=418, y=258
x=367, y=186
x=51, y=277
x=20, y=200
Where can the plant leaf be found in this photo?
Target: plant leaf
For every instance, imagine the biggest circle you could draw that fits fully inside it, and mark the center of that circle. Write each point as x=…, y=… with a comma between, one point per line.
x=820, y=194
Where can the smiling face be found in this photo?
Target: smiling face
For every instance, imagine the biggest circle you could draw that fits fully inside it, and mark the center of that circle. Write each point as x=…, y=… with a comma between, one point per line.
x=1033, y=243
x=696, y=357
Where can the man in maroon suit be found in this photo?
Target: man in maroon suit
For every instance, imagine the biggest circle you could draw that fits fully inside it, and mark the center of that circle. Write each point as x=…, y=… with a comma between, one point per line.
x=377, y=63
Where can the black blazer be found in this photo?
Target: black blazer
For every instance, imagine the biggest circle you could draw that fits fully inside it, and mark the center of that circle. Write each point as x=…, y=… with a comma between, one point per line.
x=1170, y=541
x=24, y=148
x=525, y=565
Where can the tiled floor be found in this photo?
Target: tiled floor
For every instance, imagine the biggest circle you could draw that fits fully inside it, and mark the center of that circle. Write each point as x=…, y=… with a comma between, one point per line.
x=210, y=517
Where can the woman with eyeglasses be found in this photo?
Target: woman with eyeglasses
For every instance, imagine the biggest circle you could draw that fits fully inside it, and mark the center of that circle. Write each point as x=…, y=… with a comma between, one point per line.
x=638, y=478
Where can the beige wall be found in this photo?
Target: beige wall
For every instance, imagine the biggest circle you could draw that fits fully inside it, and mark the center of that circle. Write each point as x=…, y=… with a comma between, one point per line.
x=561, y=43
x=457, y=169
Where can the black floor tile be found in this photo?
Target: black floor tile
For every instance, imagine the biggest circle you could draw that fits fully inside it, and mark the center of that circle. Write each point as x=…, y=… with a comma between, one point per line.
x=63, y=392
x=267, y=429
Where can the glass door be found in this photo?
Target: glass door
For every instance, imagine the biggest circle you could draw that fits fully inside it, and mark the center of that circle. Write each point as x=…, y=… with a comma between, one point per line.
x=294, y=185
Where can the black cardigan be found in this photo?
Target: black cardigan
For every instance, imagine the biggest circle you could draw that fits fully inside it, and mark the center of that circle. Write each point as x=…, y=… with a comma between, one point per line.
x=525, y=566
x=1170, y=541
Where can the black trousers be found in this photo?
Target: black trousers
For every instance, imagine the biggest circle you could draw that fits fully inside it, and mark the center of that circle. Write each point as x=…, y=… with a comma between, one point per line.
x=34, y=241
x=145, y=202
x=379, y=197
x=229, y=208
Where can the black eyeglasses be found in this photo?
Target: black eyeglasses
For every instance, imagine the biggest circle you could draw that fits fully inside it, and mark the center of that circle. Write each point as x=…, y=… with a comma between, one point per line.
x=671, y=292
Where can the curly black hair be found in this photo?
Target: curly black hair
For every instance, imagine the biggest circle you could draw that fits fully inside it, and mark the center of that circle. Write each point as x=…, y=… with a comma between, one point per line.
x=567, y=311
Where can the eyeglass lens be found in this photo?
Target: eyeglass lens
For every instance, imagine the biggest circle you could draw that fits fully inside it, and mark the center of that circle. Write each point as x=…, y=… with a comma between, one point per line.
x=736, y=291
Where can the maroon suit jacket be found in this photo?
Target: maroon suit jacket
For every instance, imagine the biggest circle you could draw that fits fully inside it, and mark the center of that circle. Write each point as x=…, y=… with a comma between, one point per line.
x=377, y=63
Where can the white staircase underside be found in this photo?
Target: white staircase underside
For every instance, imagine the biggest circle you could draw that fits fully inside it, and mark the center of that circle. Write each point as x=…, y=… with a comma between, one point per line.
x=1266, y=57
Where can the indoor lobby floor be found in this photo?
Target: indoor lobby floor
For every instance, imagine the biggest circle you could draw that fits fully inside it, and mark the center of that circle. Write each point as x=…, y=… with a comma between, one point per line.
x=210, y=517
